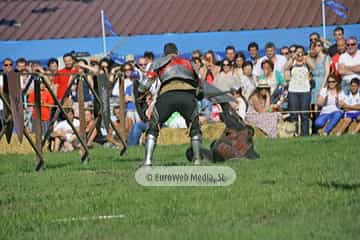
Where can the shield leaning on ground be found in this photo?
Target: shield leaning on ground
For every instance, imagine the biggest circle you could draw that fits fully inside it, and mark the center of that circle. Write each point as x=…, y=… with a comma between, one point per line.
x=16, y=102
x=103, y=90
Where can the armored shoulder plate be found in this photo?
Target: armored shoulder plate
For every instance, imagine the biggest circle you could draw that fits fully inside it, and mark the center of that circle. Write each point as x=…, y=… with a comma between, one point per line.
x=160, y=62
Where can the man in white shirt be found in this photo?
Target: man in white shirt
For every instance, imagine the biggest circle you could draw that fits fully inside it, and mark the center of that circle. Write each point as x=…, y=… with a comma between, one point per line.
x=349, y=63
x=7, y=66
x=351, y=104
x=278, y=60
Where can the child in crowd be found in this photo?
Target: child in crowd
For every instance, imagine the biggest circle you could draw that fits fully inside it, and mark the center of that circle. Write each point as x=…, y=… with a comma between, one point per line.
x=351, y=105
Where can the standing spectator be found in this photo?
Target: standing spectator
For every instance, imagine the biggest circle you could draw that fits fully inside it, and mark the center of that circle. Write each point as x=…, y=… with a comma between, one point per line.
x=210, y=70
x=83, y=72
x=341, y=48
x=349, y=64
x=322, y=68
x=292, y=50
x=142, y=64
x=272, y=77
x=239, y=62
x=328, y=100
x=338, y=34
x=21, y=64
x=53, y=67
x=196, y=54
x=314, y=37
x=248, y=81
x=351, y=104
x=278, y=60
x=62, y=81
x=230, y=54
x=105, y=65
x=149, y=57
x=284, y=51
x=253, y=49
x=127, y=69
x=299, y=95
x=46, y=103
x=226, y=80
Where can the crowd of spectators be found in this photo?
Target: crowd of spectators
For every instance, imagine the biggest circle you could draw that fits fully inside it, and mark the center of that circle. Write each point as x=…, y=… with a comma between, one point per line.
x=312, y=86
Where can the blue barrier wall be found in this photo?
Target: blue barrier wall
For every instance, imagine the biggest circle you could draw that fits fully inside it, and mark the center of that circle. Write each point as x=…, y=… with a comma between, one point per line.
x=44, y=49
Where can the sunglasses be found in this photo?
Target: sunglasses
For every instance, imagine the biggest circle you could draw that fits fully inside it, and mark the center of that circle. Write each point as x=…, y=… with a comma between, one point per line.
x=285, y=53
x=144, y=64
x=351, y=44
x=313, y=39
x=331, y=81
x=8, y=65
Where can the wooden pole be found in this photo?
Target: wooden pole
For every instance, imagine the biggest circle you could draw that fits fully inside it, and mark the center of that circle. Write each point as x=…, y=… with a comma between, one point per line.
x=80, y=98
x=37, y=120
x=122, y=105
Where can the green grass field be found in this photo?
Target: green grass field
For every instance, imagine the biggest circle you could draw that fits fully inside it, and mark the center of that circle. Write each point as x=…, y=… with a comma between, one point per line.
x=299, y=189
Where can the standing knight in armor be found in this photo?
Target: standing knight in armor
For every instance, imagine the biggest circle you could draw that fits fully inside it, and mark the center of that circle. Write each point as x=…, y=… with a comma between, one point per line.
x=177, y=93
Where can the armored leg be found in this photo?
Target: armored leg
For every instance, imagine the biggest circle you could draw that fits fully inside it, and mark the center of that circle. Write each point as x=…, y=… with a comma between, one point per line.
x=196, y=146
x=150, y=144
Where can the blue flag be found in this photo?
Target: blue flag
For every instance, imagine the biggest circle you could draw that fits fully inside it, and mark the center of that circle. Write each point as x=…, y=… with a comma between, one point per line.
x=337, y=8
x=108, y=25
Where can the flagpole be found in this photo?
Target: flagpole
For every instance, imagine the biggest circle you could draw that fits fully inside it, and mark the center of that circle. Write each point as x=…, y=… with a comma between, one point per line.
x=103, y=31
x=323, y=19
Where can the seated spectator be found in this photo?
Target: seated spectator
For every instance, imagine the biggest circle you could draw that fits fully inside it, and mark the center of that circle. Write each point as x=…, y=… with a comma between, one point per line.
x=273, y=77
x=240, y=105
x=139, y=127
x=197, y=63
x=63, y=133
x=90, y=128
x=260, y=111
x=205, y=108
x=46, y=102
x=116, y=119
x=328, y=100
x=226, y=80
x=239, y=62
x=247, y=80
x=351, y=105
